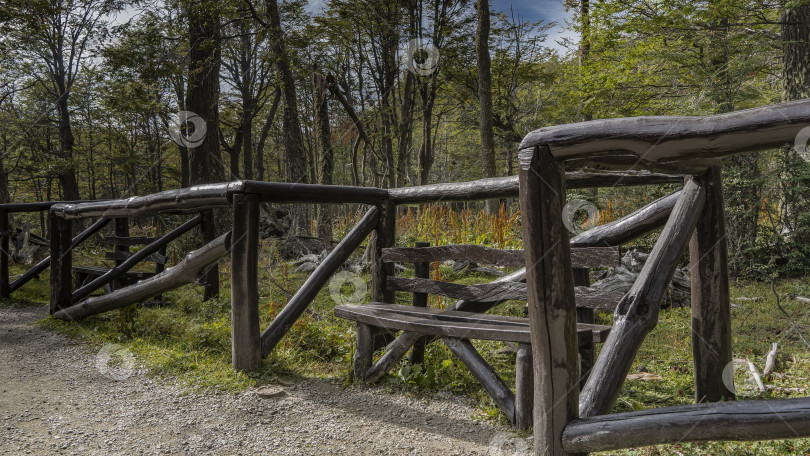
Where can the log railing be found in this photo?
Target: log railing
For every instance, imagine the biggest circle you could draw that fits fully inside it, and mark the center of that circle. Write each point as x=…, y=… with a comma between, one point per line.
x=574, y=422
x=686, y=148
x=6, y=209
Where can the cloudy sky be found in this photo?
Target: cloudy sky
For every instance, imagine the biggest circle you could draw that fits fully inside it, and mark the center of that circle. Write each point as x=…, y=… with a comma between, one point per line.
x=530, y=10
x=535, y=10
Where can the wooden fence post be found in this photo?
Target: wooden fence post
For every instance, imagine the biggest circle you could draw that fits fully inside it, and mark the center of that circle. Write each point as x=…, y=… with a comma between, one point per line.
x=552, y=310
x=245, y=346
x=711, y=308
x=61, y=262
x=211, y=279
x=384, y=236
x=5, y=236
x=121, y=231
x=420, y=271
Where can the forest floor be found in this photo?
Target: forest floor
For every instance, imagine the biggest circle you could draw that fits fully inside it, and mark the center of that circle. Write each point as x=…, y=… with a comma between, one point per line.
x=57, y=398
x=158, y=379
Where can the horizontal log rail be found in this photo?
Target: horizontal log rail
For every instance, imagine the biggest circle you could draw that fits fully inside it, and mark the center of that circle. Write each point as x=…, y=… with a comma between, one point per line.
x=37, y=206
x=121, y=269
x=500, y=291
x=180, y=200
x=284, y=192
x=581, y=257
x=651, y=140
x=736, y=420
x=507, y=187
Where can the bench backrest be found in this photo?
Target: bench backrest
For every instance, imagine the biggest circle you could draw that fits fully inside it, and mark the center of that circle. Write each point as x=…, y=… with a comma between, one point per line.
x=589, y=257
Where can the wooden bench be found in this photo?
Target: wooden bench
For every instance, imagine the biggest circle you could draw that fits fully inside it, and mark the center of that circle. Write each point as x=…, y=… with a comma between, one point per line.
x=120, y=243
x=456, y=328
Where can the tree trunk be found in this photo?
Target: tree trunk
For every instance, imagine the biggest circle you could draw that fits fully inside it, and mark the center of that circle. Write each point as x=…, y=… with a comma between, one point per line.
x=796, y=52
x=246, y=129
x=323, y=141
x=202, y=97
x=268, y=122
x=485, y=95
x=293, y=139
x=184, y=159
x=426, y=151
x=67, y=175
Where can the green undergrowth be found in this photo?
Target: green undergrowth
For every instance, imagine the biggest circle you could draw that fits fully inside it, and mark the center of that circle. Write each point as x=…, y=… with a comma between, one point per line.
x=188, y=340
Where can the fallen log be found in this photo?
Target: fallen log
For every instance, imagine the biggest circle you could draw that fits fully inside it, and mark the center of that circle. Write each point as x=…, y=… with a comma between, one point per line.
x=184, y=272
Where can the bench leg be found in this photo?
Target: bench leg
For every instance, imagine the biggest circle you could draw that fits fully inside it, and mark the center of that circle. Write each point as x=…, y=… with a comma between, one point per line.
x=524, y=387
x=485, y=375
x=364, y=351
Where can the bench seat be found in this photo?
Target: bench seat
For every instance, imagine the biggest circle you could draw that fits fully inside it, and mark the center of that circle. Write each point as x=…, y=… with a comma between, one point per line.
x=455, y=324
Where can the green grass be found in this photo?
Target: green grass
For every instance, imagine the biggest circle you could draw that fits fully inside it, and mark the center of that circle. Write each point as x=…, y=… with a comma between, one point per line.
x=188, y=340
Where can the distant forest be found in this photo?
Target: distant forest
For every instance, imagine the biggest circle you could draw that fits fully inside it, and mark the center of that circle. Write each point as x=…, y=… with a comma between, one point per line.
x=112, y=98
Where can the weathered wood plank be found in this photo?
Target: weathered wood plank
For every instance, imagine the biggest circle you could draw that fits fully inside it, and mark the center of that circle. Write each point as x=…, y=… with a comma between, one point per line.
x=552, y=309
x=245, y=344
x=477, y=253
x=42, y=265
x=637, y=313
x=664, y=139
x=183, y=273
x=170, y=201
x=507, y=187
x=711, y=308
x=629, y=227
x=585, y=297
x=286, y=192
x=584, y=257
x=61, y=262
x=482, y=292
x=424, y=323
x=304, y=296
x=119, y=270
x=734, y=420
x=485, y=375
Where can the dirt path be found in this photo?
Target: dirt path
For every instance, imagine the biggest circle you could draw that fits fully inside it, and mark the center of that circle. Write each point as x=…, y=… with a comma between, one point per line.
x=55, y=400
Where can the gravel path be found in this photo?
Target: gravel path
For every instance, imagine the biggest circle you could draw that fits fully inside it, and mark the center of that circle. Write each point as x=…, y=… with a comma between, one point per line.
x=55, y=400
